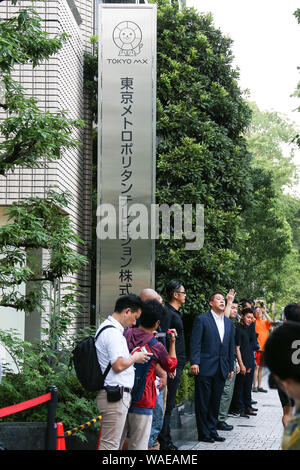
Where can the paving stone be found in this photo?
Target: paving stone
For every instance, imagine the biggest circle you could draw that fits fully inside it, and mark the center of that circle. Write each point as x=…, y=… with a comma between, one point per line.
x=261, y=432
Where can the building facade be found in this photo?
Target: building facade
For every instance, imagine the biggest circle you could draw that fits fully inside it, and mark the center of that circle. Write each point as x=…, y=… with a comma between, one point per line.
x=58, y=84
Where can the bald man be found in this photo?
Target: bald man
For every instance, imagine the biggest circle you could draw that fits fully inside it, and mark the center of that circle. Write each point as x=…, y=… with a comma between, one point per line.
x=150, y=294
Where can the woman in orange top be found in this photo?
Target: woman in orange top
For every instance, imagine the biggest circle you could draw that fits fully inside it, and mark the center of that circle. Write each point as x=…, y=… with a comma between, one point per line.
x=262, y=328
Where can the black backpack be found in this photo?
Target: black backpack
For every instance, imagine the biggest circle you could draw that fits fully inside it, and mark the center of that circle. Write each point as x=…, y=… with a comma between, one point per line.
x=86, y=364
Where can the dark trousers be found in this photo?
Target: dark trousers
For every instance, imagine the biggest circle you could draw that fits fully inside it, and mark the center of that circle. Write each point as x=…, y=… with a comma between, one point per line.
x=252, y=368
x=241, y=399
x=208, y=392
x=164, y=437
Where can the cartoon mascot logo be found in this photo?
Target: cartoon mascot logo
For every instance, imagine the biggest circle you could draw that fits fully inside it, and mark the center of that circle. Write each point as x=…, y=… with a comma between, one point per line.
x=127, y=36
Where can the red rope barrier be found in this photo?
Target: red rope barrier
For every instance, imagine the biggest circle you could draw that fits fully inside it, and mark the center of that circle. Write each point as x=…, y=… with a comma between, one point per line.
x=9, y=410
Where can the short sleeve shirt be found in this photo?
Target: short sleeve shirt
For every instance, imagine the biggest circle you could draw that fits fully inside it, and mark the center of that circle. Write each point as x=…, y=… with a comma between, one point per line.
x=111, y=345
x=262, y=328
x=176, y=322
x=242, y=339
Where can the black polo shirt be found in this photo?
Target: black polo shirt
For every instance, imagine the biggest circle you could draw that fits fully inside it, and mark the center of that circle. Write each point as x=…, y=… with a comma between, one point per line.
x=175, y=321
x=243, y=340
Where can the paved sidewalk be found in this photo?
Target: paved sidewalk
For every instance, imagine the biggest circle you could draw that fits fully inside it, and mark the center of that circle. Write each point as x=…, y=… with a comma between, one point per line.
x=261, y=432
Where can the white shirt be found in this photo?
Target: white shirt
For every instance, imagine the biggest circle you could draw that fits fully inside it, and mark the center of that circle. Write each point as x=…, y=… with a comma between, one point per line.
x=110, y=345
x=219, y=319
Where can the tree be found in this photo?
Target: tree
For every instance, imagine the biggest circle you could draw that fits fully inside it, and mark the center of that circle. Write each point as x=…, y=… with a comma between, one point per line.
x=217, y=149
x=202, y=155
x=270, y=139
x=269, y=253
x=291, y=266
x=36, y=223
x=30, y=137
x=266, y=240
x=297, y=91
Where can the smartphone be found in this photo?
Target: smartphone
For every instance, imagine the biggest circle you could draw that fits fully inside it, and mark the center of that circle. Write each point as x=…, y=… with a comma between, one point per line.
x=144, y=349
x=163, y=335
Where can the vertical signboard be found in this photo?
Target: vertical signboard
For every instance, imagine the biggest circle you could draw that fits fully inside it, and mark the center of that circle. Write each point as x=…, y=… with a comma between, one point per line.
x=126, y=151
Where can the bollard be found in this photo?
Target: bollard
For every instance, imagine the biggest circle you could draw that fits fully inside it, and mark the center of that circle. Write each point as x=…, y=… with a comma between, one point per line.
x=50, y=443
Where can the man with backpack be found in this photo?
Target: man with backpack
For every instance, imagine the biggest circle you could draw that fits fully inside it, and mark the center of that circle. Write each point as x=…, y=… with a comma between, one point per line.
x=114, y=399
x=139, y=418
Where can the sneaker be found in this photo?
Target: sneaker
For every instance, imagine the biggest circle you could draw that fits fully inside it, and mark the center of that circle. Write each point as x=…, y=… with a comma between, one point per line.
x=260, y=389
x=254, y=389
x=238, y=414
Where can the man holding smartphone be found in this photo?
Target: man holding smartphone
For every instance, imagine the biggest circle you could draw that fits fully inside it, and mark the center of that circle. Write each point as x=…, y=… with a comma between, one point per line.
x=139, y=418
x=114, y=399
x=262, y=328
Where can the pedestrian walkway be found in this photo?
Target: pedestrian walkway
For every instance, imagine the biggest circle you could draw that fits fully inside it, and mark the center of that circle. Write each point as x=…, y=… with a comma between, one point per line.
x=261, y=432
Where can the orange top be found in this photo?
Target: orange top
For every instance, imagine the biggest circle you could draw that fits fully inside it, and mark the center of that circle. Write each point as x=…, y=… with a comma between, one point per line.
x=262, y=328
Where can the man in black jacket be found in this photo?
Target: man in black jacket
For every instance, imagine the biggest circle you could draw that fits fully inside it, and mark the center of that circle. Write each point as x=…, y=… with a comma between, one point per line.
x=241, y=400
x=176, y=296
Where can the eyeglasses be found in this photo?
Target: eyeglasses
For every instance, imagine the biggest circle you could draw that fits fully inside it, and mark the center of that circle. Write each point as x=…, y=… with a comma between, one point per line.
x=183, y=292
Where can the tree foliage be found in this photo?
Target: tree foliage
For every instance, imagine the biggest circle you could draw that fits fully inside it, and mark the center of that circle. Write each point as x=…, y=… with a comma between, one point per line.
x=270, y=139
x=36, y=223
x=31, y=137
x=202, y=157
x=34, y=374
x=268, y=225
x=218, y=150
x=297, y=91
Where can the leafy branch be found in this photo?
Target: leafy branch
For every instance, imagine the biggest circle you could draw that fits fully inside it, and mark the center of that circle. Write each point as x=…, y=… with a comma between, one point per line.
x=37, y=223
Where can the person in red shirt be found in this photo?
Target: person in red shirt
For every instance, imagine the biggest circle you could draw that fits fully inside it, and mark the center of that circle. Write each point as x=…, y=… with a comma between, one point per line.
x=139, y=418
x=262, y=328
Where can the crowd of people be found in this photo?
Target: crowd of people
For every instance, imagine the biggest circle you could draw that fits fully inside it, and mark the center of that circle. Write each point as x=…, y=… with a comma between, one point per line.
x=226, y=358
x=282, y=357
x=146, y=331
x=227, y=361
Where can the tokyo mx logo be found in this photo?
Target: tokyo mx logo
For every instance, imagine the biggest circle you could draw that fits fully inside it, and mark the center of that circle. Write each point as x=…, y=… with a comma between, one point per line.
x=127, y=36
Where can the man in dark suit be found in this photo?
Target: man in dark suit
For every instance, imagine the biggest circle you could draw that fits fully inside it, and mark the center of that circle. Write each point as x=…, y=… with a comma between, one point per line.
x=212, y=360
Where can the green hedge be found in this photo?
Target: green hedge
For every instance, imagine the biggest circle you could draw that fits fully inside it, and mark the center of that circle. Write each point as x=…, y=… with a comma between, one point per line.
x=186, y=386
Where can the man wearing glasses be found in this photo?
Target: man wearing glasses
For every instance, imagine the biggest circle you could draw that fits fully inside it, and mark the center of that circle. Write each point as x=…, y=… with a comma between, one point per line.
x=175, y=297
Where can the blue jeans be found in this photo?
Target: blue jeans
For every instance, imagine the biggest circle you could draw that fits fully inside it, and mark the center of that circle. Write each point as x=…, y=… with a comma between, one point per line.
x=157, y=419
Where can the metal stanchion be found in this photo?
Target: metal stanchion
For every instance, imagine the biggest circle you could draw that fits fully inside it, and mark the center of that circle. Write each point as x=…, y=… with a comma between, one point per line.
x=50, y=443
